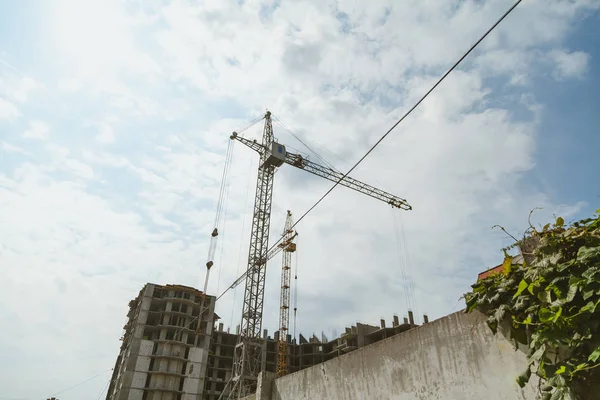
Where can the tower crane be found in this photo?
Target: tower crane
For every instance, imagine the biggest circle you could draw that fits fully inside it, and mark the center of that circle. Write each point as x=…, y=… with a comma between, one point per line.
x=284, y=302
x=248, y=351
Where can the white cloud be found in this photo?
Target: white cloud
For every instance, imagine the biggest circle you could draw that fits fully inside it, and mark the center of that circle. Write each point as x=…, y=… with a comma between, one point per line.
x=17, y=87
x=37, y=130
x=69, y=85
x=9, y=148
x=569, y=64
x=91, y=223
x=106, y=133
x=79, y=169
x=97, y=40
x=57, y=152
x=23, y=88
x=8, y=111
x=14, y=87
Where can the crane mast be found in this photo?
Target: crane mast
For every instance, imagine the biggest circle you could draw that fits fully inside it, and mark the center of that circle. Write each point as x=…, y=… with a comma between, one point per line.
x=248, y=354
x=248, y=351
x=284, y=303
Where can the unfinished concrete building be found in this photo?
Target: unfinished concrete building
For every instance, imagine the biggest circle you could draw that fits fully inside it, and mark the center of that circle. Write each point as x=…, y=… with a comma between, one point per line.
x=165, y=345
x=173, y=351
x=302, y=353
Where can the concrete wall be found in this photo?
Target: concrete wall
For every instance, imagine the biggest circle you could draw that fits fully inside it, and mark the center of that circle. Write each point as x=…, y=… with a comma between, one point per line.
x=453, y=358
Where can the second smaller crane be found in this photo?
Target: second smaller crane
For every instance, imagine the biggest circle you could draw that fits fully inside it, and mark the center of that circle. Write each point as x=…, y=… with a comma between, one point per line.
x=288, y=247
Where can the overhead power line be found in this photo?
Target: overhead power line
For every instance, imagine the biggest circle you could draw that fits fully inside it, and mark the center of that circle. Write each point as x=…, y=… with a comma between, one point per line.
x=452, y=68
x=80, y=383
x=440, y=80
x=381, y=139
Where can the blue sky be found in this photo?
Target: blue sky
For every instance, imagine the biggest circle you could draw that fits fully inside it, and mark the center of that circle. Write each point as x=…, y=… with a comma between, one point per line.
x=114, y=122
x=569, y=156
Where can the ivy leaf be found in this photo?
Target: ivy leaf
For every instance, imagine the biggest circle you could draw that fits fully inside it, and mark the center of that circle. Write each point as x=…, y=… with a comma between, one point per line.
x=561, y=370
x=590, y=272
x=595, y=355
x=492, y=324
x=590, y=306
x=471, y=303
x=478, y=287
x=557, y=395
x=557, y=314
x=522, y=286
x=535, y=357
x=500, y=312
x=544, y=296
x=568, y=394
x=588, y=294
x=556, y=291
x=524, y=377
x=519, y=334
x=507, y=264
x=587, y=255
x=580, y=367
x=571, y=293
x=545, y=315
x=557, y=381
x=560, y=221
x=521, y=303
x=561, y=267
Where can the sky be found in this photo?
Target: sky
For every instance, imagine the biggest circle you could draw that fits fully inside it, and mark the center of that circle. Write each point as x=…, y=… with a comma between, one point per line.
x=115, y=118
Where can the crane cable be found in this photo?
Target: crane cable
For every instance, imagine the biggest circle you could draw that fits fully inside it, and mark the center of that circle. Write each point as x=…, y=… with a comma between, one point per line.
x=401, y=244
x=280, y=123
x=411, y=282
x=296, y=287
x=405, y=270
x=221, y=207
x=250, y=124
x=239, y=260
x=223, y=237
x=105, y=388
x=221, y=203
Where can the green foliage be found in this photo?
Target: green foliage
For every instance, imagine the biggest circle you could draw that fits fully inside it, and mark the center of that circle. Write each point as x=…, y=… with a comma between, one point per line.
x=551, y=305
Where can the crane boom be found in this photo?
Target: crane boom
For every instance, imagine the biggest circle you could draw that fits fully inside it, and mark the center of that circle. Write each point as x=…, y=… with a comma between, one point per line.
x=272, y=253
x=335, y=176
x=330, y=174
x=247, y=360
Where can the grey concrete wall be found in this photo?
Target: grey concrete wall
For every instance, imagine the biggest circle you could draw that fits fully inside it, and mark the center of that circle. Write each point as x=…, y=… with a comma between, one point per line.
x=453, y=358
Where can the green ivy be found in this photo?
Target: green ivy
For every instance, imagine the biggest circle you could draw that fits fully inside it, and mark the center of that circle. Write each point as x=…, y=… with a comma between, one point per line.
x=552, y=306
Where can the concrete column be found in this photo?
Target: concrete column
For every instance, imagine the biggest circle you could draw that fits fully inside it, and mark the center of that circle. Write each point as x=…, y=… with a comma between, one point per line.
x=264, y=385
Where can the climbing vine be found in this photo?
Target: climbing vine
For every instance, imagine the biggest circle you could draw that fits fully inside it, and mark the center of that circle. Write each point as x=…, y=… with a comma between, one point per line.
x=550, y=304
